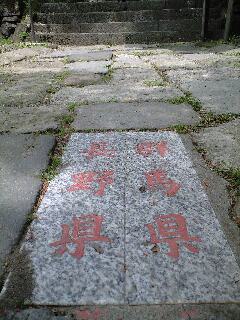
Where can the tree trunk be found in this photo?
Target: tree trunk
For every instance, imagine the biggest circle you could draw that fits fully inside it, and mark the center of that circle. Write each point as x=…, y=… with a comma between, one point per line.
x=228, y=20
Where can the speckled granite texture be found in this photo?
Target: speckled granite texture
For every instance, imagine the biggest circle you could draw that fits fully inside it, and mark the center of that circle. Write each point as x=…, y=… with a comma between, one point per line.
x=130, y=269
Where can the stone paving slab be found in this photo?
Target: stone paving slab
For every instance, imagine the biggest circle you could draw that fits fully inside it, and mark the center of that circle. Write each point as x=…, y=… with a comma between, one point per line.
x=129, y=61
x=170, y=61
x=150, y=260
x=222, y=144
x=217, y=89
x=36, y=65
x=149, y=115
x=81, y=80
x=152, y=276
x=22, y=158
x=24, y=90
x=31, y=119
x=210, y=59
x=133, y=75
x=102, y=267
x=89, y=66
x=126, y=92
x=64, y=51
x=20, y=54
x=91, y=56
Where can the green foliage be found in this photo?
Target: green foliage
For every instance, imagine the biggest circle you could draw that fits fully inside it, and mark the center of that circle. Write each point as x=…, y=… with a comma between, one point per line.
x=108, y=76
x=62, y=76
x=211, y=119
x=51, y=90
x=52, y=169
x=5, y=41
x=180, y=128
x=155, y=83
x=143, y=53
x=72, y=106
x=23, y=35
x=188, y=99
x=66, y=119
x=230, y=174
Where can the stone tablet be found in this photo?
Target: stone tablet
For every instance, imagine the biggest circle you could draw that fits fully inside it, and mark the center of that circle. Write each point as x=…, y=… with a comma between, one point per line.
x=128, y=222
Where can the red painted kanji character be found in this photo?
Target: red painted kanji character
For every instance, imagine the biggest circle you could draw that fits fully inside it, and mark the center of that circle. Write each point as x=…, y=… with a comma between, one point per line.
x=89, y=315
x=189, y=314
x=85, y=228
x=172, y=229
x=99, y=149
x=159, y=177
x=85, y=180
x=146, y=148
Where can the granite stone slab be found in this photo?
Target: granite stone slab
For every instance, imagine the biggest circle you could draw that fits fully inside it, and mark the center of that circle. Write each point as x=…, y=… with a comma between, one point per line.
x=187, y=259
x=81, y=80
x=20, y=54
x=24, y=90
x=129, y=61
x=158, y=270
x=89, y=66
x=150, y=115
x=22, y=157
x=169, y=61
x=217, y=89
x=121, y=92
x=91, y=56
x=133, y=75
x=222, y=144
x=31, y=119
x=98, y=275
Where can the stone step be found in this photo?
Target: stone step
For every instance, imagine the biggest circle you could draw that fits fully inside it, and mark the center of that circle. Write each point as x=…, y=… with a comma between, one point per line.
x=161, y=25
x=115, y=6
x=168, y=3
x=121, y=16
x=116, y=38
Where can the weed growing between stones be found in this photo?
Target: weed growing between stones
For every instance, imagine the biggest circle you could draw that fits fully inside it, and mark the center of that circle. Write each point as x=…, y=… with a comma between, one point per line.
x=140, y=54
x=108, y=76
x=155, y=83
x=66, y=60
x=52, y=90
x=111, y=100
x=52, y=169
x=210, y=119
x=237, y=64
x=180, y=128
x=72, y=106
x=62, y=76
x=188, y=99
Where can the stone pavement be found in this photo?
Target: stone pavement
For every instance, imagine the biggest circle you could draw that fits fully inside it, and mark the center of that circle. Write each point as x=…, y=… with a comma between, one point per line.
x=140, y=224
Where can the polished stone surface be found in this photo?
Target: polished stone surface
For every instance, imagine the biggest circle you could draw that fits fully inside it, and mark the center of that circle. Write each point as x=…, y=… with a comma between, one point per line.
x=153, y=178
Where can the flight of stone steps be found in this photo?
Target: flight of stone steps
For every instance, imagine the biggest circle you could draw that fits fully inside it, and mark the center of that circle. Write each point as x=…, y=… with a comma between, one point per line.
x=118, y=22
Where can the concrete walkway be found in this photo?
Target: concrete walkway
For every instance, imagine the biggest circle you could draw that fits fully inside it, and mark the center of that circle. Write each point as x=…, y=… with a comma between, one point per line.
x=141, y=217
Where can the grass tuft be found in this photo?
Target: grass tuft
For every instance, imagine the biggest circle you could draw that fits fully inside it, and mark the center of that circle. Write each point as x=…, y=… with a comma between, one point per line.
x=155, y=83
x=52, y=169
x=188, y=99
